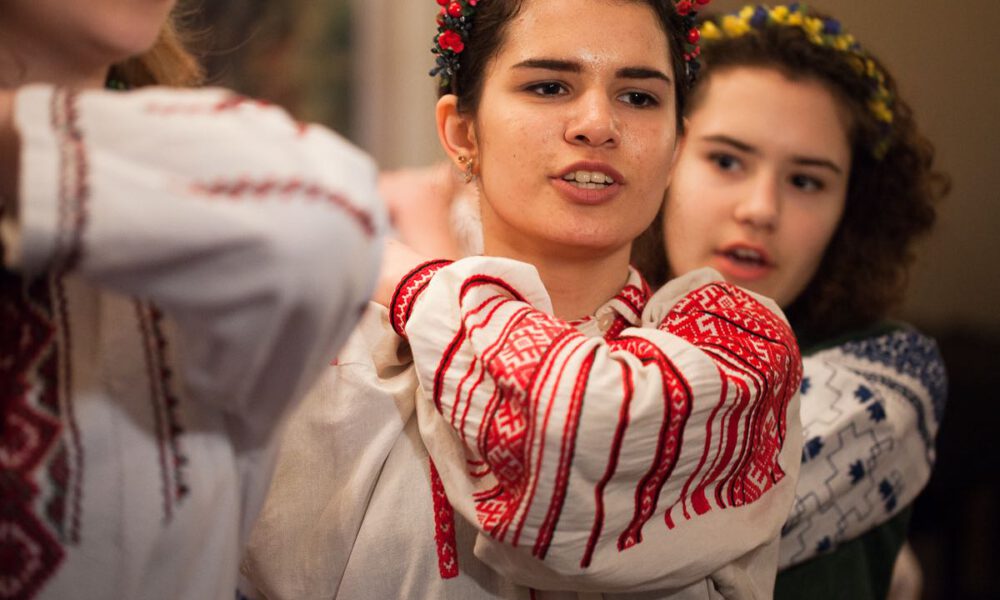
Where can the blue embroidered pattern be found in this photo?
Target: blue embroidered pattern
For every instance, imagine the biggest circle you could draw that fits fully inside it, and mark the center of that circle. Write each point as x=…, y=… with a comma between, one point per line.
x=853, y=396
x=911, y=353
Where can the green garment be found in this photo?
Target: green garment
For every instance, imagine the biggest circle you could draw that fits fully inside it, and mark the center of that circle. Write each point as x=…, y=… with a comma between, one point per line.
x=860, y=569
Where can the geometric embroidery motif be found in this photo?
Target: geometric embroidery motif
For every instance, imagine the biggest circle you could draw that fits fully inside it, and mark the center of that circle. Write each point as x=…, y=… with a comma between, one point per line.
x=36, y=516
x=910, y=353
x=30, y=550
x=751, y=347
x=866, y=398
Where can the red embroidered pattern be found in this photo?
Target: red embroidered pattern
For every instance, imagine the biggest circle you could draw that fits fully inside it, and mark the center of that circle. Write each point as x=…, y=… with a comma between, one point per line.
x=531, y=354
x=284, y=190
x=444, y=527
x=751, y=347
x=524, y=364
x=74, y=190
x=39, y=472
x=566, y=452
x=632, y=299
x=165, y=406
x=527, y=356
x=407, y=291
x=677, y=409
x=66, y=472
x=30, y=548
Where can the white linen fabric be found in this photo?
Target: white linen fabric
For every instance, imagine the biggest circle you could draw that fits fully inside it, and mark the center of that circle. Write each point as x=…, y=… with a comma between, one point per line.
x=649, y=451
x=871, y=408
x=181, y=266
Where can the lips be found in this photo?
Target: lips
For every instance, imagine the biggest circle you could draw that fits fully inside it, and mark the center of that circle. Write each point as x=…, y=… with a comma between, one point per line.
x=588, y=182
x=744, y=262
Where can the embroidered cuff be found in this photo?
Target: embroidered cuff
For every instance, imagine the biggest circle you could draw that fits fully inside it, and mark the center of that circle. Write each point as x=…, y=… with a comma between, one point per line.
x=407, y=291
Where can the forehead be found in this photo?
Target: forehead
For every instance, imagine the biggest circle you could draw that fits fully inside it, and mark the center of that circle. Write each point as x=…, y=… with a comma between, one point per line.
x=763, y=104
x=765, y=108
x=593, y=32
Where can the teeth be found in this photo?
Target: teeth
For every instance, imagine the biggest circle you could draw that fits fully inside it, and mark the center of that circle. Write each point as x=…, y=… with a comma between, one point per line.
x=746, y=254
x=586, y=179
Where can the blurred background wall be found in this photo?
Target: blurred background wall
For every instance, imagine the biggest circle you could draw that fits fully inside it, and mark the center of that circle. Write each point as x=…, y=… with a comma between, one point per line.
x=361, y=67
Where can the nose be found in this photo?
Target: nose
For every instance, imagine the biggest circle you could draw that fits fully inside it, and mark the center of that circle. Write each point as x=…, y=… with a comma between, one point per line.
x=593, y=121
x=760, y=206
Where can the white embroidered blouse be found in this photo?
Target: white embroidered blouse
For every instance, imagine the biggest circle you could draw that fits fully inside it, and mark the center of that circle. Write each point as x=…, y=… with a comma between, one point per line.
x=513, y=455
x=182, y=265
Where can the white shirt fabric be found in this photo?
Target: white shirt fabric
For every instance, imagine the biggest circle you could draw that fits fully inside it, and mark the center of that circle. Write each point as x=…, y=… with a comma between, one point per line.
x=355, y=512
x=871, y=408
x=182, y=266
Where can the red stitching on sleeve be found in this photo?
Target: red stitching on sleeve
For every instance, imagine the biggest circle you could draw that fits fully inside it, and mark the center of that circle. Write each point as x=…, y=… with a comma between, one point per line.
x=407, y=291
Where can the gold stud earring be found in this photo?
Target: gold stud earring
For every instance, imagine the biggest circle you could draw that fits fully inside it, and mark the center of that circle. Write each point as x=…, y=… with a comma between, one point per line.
x=467, y=165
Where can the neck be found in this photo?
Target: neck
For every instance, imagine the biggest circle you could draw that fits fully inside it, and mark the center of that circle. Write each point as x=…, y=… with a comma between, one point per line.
x=24, y=60
x=577, y=285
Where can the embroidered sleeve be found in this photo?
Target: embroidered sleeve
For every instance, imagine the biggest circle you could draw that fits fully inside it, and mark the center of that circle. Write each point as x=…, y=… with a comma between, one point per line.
x=870, y=413
x=257, y=236
x=614, y=464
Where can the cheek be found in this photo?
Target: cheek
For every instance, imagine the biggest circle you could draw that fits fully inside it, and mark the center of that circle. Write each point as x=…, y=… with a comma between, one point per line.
x=812, y=237
x=682, y=232
x=513, y=140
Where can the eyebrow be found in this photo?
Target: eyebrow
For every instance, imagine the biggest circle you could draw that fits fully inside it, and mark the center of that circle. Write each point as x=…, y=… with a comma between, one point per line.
x=805, y=161
x=568, y=66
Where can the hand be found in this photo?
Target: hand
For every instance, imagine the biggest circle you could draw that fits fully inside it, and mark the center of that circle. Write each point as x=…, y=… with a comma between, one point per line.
x=397, y=260
x=419, y=203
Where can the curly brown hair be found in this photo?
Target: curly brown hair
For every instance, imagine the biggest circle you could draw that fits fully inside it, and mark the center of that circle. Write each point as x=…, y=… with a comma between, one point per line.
x=890, y=201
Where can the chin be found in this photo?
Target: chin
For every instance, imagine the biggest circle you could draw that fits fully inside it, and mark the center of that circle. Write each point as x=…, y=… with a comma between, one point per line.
x=129, y=38
x=589, y=246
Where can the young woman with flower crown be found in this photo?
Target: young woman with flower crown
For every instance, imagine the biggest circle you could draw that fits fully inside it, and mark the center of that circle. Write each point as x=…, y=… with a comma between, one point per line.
x=135, y=444
x=804, y=178
x=548, y=425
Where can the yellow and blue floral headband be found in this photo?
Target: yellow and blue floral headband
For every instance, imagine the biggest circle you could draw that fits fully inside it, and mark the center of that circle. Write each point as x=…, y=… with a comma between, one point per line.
x=823, y=32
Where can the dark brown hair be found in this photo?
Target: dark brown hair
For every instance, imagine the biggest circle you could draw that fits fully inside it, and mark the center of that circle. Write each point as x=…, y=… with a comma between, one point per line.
x=890, y=201
x=487, y=37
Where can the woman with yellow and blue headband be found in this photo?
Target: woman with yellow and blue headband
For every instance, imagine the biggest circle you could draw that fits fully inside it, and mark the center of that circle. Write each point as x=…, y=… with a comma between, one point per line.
x=804, y=178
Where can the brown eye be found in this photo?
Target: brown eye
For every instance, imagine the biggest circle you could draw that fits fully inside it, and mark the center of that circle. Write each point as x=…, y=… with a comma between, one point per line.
x=548, y=88
x=639, y=99
x=726, y=162
x=807, y=183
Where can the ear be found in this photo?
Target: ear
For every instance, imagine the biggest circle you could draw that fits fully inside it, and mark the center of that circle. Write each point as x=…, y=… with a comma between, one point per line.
x=456, y=131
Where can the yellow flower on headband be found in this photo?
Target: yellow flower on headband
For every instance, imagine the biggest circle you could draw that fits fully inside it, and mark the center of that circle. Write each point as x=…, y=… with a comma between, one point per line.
x=843, y=42
x=881, y=111
x=857, y=64
x=734, y=26
x=710, y=32
x=825, y=33
x=813, y=26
